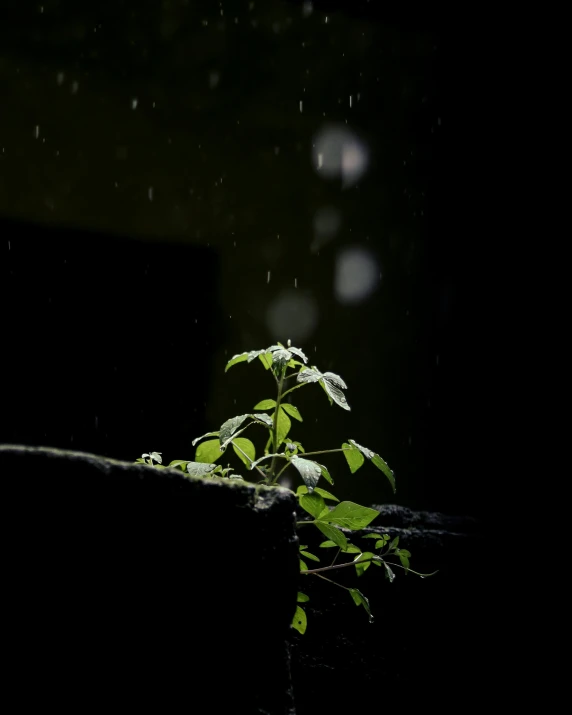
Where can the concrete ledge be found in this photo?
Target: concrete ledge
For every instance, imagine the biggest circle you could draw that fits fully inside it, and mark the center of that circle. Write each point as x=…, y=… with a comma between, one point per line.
x=131, y=586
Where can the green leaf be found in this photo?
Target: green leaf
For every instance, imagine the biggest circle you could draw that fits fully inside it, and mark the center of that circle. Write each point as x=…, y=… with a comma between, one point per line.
x=235, y=360
x=389, y=573
x=208, y=452
x=370, y=536
x=303, y=566
x=351, y=549
x=302, y=598
x=180, y=463
x=299, y=445
x=266, y=359
x=381, y=464
x=312, y=503
x=350, y=515
x=361, y=568
x=377, y=460
x=325, y=474
x=361, y=600
x=230, y=427
x=333, y=534
x=265, y=405
x=327, y=544
x=353, y=456
x=303, y=489
x=309, y=471
x=300, y=622
x=310, y=556
x=403, y=558
x=140, y=461
x=208, y=434
x=394, y=543
x=199, y=469
x=292, y=411
x=284, y=425
x=405, y=552
x=241, y=443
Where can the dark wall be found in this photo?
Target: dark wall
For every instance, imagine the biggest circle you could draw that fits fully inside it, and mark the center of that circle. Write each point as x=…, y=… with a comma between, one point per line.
x=108, y=342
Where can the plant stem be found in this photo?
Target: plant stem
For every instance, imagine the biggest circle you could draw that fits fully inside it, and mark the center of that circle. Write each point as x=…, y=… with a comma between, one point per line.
x=327, y=451
x=338, y=566
x=300, y=384
x=330, y=581
x=275, y=425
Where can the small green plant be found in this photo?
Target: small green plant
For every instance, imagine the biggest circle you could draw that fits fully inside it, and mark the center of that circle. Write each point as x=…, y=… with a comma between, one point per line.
x=332, y=522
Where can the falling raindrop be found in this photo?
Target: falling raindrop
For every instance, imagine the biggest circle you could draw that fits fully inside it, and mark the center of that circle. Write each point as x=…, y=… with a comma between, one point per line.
x=37, y=131
x=60, y=78
x=295, y=282
x=301, y=105
x=150, y=193
x=74, y=87
x=350, y=101
x=268, y=277
x=134, y=103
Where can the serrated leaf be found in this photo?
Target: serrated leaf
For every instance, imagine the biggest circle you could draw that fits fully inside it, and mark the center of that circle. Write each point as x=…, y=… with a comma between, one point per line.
x=361, y=600
x=333, y=391
x=309, y=374
x=308, y=469
x=349, y=515
x=298, y=353
x=208, y=434
x=303, y=489
x=353, y=457
x=292, y=411
x=230, y=427
x=300, y=622
x=310, y=556
x=283, y=427
x=333, y=534
x=265, y=405
x=313, y=504
x=388, y=572
x=241, y=443
x=208, y=452
x=263, y=417
x=302, y=598
x=199, y=469
x=281, y=357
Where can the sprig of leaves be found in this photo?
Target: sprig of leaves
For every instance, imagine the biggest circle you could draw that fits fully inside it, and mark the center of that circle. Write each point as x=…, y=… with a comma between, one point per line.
x=281, y=452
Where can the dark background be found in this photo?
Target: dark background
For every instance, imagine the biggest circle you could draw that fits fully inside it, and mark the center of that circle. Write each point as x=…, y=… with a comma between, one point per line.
x=156, y=169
